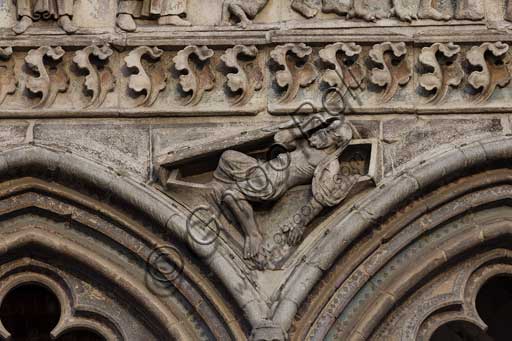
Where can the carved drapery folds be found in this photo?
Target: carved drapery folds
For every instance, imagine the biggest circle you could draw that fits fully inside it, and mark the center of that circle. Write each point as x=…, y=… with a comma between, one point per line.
x=248, y=77
x=147, y=83
x=99, y=79
x=296, y=71
x=48, y=81
x=442, y=60
x=493, y=61
x=393, y=68
x=196, y=75
x=7, y=77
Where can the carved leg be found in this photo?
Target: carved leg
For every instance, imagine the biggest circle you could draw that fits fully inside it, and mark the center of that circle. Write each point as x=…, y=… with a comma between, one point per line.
x=244, y=214
x=126, y=22
x=304, y=9
x=67, y=25
x=360, y=10
x=239, y=12
x=508, y=14
x=402, y=12
x=427, y=11
x=226, y=13
x=22, y=25
x=470, y=10
x=173, y=20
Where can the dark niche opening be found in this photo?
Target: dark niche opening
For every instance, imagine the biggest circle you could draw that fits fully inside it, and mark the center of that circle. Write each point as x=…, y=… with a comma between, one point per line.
x=30, y=312
x=494, y=305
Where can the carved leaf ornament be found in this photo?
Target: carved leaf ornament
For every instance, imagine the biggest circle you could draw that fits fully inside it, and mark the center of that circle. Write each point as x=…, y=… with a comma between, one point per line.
x=248, y=77
x=7, y=78
x=141, y=82
x=293, y=75
x=492, y=59
x=98, y=81
x=196, y=77
x=394, y=69
x=48, y=82
x=447, y=69
x=348, y=72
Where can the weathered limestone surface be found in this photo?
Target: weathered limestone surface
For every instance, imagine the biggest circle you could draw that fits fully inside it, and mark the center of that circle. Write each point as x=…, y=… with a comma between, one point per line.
x=262, y=170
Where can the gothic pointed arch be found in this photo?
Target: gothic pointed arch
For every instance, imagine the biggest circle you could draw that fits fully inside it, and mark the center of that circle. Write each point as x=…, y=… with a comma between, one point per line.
x=412, y=260
x=103, y=245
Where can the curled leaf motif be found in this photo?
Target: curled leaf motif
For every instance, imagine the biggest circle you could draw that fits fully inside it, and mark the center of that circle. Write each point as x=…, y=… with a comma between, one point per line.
x=348, y=72
x=393, y=70
x=141, y=82
x=248, y=77
x=48, y=82
x=7, y=77
x=493, y=60
x=99, y=81
x=446, y=70
x=293, y=76
x=196, y=78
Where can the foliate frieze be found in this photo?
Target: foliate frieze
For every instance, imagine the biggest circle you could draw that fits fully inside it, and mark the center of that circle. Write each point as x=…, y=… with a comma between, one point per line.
x=387, y=77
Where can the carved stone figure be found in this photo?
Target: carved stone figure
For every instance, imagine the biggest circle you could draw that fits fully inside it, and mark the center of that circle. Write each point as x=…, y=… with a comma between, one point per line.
x=29, y=10
x=508, y=11
x=167, y=12
x=240, y=179
x=310, y=8
x=244, y=10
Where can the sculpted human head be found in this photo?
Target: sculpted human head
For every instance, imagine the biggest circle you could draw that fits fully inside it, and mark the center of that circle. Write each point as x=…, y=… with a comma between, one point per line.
x=336, y=134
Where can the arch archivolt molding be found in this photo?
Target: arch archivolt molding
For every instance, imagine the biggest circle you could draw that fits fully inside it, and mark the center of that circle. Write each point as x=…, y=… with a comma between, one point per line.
x=55, y=219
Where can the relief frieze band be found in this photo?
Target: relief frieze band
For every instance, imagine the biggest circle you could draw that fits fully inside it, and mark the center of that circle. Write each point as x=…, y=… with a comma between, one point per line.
x=388, y=77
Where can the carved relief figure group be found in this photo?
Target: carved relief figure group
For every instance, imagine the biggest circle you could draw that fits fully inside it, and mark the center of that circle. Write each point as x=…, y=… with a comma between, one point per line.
x=406, y=10
x=174, y=12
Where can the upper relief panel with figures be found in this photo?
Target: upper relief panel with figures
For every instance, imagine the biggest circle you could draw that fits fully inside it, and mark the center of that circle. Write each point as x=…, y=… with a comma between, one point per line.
x=240, y=57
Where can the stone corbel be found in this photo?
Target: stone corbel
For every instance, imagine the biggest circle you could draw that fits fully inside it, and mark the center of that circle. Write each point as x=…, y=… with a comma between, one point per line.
x=293, y=75
x=393, y=68
x=248, y=77
x=99, y=80
x=493, y=60
x=143, y=83
x=7, y=77
x=444, y=72
x=196, y=78
x=49, y=81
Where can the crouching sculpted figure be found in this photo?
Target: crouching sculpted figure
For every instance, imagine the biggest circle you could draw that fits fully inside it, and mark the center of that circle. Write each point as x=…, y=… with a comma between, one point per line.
x=312, y=157
x=29, y=11
x=243, y=10
x=167, y=12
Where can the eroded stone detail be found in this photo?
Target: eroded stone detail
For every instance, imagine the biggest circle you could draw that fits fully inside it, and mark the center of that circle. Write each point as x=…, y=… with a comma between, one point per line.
x=167, y=12
x=393, y=68
x=293, y=75
x=28, y=10
x=99, y=80
x=7, y=77
x=147, y=83
x=243, y=10
x=196, y=77
x=348, y=71
x=446, y=70
x=248, y=77
x=49, y=81
x=493, y=60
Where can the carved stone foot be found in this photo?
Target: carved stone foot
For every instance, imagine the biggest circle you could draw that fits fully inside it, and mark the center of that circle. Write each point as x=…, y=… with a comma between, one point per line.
x=403, y=14
x=470, y=15
x=173, y=20
x=67, y=25
x=252, y=245
x=22, y=25
x=126, y=22
x=305, y=10
x=432, y=13
x=244, y=23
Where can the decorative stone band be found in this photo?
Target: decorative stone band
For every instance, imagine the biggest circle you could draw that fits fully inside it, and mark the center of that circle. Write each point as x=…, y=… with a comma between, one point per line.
x=388, y=77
